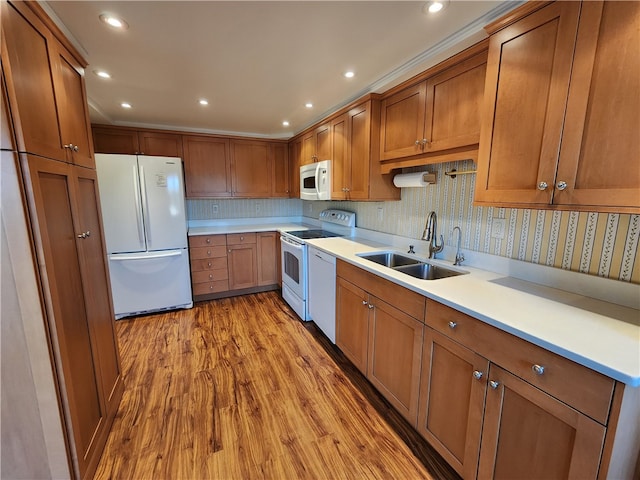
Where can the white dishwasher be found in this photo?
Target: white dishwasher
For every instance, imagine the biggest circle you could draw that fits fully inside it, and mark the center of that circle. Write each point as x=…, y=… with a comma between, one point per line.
x=322, y=291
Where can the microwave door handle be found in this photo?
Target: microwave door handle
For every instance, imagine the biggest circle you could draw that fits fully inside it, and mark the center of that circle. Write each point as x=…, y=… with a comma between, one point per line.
x=318, y=180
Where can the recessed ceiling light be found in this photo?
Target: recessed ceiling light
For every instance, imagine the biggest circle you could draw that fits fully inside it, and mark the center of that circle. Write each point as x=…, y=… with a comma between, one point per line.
x=285, y=124
x=125, y=105
x=435, y=6
x=308, y=105
x=114, y=21
x=349, y=74
x=102, y=74
x=203, y=101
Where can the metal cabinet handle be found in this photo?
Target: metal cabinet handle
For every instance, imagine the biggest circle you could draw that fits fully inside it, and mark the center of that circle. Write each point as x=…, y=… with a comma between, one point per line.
x=418, y=142
x=210, y=277
x=241, y=239
x=209, y=264
x=493, y=384
x=537, y=369
x=370, y=306
x=88, y=233
x=425, y=141
x=542, y=186
x=82, y=235
x=208, y=240
x=208, y=253
x=453, y=325
x=561, y=185
x=364, y=302
x=75, y=148
x=477, y=374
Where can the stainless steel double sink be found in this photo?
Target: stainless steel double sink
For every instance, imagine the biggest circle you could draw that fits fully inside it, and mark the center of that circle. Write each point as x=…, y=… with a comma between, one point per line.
x=410, y=265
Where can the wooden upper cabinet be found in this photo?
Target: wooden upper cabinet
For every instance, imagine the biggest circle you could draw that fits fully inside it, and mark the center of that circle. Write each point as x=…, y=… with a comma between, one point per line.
x=340, y=174
x=600, y=151
x=46, y=89
x=25, y=54
x=279, y=158
x=207, y=166
x=115, y=140
x=440, y=113
x=529, y=434
x=316, y=145
x=251, y=169
x=160, y=144
x=586, y=158
x=131, y=141
x=295, y=158
x=73, y=110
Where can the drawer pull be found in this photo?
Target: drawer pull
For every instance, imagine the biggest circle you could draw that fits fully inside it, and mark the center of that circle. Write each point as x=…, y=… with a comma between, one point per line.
x=209, y=264
x=209, y=253
x=477, y=374
x=453, y=325
x=537, y=369
x=493, y=384
x=210, y=277
x=208, y=240
x=241, y=238
x=370, y=306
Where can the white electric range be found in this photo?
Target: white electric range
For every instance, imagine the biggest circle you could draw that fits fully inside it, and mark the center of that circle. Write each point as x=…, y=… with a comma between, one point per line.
x=295, y=256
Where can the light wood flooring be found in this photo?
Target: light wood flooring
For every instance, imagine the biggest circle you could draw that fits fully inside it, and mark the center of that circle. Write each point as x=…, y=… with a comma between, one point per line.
x=240, y=388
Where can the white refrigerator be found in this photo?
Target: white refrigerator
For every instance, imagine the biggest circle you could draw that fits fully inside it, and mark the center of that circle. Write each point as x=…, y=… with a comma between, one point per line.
x=145, y=227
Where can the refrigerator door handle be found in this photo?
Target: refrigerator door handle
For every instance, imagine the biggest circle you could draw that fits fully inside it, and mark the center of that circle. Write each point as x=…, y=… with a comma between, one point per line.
x=145, y=206
x=136, y=189
x=137, y=256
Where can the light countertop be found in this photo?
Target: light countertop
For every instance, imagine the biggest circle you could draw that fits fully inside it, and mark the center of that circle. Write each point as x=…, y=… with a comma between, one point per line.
x=600, y=335
x=597, y=334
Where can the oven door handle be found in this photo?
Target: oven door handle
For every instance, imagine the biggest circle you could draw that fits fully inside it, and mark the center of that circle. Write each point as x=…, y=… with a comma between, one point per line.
x=318, y=180
x=292, y=244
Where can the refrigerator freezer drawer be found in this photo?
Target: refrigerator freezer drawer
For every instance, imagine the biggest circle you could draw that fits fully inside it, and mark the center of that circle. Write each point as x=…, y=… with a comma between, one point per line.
x=150, y=281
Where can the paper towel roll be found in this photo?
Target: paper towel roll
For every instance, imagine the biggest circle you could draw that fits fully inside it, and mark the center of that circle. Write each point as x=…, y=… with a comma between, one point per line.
x=416, y=179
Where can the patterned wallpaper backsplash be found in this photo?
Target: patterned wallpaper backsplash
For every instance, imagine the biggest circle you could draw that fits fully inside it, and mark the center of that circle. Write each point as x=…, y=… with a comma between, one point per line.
x=594, y=243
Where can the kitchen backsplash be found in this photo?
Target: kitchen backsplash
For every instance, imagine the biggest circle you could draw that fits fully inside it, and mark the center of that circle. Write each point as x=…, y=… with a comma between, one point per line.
x=215, y=209
x=598, y=244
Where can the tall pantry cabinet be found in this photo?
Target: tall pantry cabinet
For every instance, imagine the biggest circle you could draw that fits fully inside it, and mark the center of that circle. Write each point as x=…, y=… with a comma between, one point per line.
x=47, y=102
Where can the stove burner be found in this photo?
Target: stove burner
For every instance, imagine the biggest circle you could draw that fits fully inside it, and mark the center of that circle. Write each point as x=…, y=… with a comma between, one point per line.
x=311, y=234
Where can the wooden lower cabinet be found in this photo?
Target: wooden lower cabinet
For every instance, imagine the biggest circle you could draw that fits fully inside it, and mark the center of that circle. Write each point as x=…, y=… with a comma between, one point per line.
x=223, y=265
x=452, y=391
x=352, y=323
x=395, y=354
x=529, y=434
x=63, y=204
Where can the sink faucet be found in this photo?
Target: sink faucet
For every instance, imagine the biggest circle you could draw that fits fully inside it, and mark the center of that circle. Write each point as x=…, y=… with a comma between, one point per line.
x=459, y=254
x=430, y=234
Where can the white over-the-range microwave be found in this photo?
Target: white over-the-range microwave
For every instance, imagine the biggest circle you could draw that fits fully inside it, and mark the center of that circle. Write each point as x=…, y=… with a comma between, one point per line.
x=315, y=181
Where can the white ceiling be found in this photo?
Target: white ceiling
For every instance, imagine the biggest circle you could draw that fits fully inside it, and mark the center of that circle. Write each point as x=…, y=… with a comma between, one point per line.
x=257, y=63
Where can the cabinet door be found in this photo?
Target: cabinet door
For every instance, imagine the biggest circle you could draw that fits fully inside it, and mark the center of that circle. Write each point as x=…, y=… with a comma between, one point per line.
x=395, y=355
x=30, y=82
x=600, y=143
x=95, y=280
x=352, y=323
x=402, y=123
x=323, y=142
x=339, y=164
x=529, y=434
x=73, y=111
x=242, y=262
x=251, y=171
x=160, y=144
x=452, y=401
x=295, y=160
x=278, y=155
x=454, y=101
x=207, y=167
x=524, y=107
x=268, y=258
x=308, y=149
x=359, y=148
x=56, y=224
x=115, y=140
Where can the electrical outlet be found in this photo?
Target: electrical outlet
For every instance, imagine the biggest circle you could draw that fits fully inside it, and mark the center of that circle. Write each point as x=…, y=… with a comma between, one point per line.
x=214, y=208
x=380, y=214
x=257, y=208
x=498, y=226
x=309, y=207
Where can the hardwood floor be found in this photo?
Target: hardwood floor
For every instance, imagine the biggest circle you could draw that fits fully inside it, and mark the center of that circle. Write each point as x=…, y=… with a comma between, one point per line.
x=240, y=388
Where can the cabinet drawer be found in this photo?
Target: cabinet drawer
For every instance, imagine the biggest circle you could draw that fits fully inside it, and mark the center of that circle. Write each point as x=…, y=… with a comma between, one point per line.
x=402, y=298
x=240, y=238
x=207, y=240
x=207, y=252
x=209, y=276
x=210, y=287
x=214, y=263
x=582, y=388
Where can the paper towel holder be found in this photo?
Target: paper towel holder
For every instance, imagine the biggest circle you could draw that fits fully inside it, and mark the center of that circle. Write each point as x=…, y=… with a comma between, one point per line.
x=414, y=179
